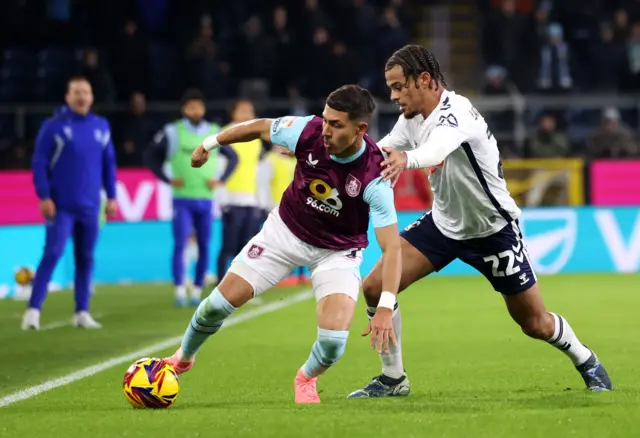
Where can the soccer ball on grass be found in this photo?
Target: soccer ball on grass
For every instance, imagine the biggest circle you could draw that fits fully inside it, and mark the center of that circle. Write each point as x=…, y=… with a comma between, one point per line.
x=151, y=383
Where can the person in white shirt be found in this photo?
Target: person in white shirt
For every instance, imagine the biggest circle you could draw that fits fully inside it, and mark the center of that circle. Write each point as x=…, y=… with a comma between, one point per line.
x=473, y=218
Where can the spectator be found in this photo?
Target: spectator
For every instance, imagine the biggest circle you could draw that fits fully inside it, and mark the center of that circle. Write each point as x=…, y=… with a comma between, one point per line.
x=205, y=69
x=284, y=51
x=138, y=130
x=620, y=26
x=633, y=58
x=98, y=76
x=505, y=30
x=555, y=70
x=547, y=142
x=317, y=72
x=497, y=84
x=611, y=139
x=131, y=67
x=253, y=56
x=608, y=60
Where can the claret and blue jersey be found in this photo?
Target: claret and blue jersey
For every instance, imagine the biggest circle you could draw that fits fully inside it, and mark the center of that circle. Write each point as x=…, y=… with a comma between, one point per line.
x=329, y=202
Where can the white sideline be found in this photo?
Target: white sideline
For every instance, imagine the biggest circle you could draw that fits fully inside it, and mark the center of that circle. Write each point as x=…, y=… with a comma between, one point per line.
x=99, y=367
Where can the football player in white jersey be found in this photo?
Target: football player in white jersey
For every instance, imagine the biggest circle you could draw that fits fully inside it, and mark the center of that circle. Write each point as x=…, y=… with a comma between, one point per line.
x=473, y=218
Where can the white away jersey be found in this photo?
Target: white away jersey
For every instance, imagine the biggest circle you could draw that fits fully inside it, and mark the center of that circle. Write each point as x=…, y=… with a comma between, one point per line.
x=471, y=199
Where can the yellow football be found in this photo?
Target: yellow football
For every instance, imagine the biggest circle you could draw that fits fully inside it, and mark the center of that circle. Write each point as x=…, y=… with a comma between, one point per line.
x=151, y=383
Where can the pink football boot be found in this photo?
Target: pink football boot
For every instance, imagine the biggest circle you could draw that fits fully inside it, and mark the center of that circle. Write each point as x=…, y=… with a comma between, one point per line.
x=305, y=389
x=181, y=366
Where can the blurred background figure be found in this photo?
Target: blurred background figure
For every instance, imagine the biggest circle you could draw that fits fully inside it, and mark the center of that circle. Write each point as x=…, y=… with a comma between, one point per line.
x=73, y=161
x=275, y=175
x=611, y=139
x=238, y=201
x=193, y=189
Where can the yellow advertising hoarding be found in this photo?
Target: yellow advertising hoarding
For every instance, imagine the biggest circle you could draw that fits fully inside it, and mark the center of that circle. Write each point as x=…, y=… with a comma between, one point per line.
x=545, y=181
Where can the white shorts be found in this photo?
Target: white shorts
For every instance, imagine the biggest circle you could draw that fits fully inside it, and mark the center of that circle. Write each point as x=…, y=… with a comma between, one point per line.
x=274, y=252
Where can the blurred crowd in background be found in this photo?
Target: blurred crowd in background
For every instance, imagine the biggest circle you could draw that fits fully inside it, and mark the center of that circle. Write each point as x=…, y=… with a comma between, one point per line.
x=566, y=48
x=140, y=51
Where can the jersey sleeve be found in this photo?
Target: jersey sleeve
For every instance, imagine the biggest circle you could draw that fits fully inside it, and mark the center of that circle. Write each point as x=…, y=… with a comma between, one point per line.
x=171, y=133
x=398, y=138
x=286, y=131
x=451, y=131
x=379, y=196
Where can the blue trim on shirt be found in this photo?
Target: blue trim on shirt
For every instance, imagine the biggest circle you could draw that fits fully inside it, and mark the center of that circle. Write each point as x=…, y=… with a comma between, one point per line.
x=286, y=131
x=171, y=132
x=352, y=157
x=379, y=196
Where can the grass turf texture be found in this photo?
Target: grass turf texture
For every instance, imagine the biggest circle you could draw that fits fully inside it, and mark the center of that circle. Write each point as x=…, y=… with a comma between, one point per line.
x=473, y=372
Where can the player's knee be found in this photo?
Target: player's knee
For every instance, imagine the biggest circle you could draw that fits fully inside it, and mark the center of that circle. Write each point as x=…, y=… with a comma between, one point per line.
x=538, y=326
x=331, y=345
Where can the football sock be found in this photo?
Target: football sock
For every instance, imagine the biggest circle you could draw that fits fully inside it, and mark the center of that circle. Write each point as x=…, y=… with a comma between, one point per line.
x=565, y=340
x=326, y=351
x=196, y=292
x=392, y=361
x=181, y=292
x=206, y=321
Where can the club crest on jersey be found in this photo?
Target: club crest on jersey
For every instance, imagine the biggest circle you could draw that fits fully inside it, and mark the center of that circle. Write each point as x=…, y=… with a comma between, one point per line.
x=352, y=186
x=255, y=251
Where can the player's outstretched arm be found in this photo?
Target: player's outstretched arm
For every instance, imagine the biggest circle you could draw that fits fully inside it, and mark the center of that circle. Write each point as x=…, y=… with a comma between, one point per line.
x=239, y=133
x=379, y=196
x=381, y=326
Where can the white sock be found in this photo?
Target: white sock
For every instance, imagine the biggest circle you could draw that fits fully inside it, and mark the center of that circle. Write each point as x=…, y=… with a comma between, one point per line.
x=181, y=292
x=565, y=340
x=196, y=292
x=392, y=361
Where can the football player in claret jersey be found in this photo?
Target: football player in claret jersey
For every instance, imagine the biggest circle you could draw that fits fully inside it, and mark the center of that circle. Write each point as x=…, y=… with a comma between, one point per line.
x=473, y=218
x=321, y=222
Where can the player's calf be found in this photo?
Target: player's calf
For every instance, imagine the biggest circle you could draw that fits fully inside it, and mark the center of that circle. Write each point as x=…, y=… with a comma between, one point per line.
x=335, y=312
x=209, y=317
x=326, y=351
x=528, y=310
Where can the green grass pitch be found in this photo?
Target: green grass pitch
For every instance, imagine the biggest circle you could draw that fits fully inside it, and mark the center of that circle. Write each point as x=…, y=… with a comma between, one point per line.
x=473, y=373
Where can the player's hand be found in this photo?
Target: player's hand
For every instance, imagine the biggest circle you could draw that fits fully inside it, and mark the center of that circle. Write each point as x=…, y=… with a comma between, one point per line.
x=381, y=329
x=393, y=166
x=199, y=157
x=111, y=208
x=176, y=182
x=48, y=208
x=213, y=183
x=283, y=151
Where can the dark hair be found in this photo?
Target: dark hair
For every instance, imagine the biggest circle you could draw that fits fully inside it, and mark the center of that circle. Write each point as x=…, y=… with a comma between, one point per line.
x=354, y=100
x=77, y=78
x=192, y=94
x=236, y=103
x=414, y=60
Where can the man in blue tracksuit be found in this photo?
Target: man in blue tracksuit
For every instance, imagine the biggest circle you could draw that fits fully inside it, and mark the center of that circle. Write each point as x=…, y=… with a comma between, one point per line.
x=73, y=160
